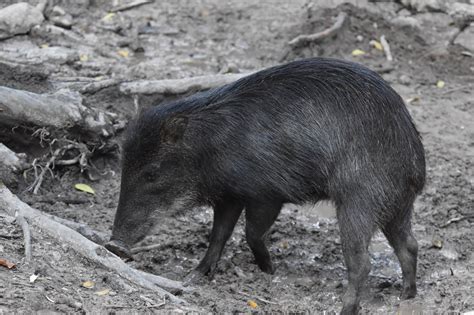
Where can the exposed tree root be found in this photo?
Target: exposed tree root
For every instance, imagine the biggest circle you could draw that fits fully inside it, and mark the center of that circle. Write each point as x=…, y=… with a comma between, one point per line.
x=81, y=159
x=26, y=235
x=317, y=37
x=97, y=237
x=10, y=163
x=96, y=253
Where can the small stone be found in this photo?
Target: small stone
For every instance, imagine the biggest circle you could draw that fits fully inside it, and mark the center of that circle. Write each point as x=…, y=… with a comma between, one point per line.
x=404, y=12
x=466, y=38
x=59, y=55
x=404, y=79
x=424, y=5
x=60, y=18
x=18, y=19
x=437, y=243
x=406, y=22
x=450, y=253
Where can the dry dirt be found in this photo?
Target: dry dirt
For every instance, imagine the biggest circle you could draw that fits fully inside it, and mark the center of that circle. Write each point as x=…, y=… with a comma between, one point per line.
x=186, y=38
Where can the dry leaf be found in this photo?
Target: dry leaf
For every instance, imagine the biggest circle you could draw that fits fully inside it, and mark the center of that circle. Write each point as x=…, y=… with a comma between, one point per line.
x=252, y=304
x=440, y=84
x=33, y=277
x=103, y=292
x=376, y=44
x=85, y=188
x=123, y=53
x=88, y=284
x=6, y=263
x=358, y=52
x=83, y=58
x=108, y=16
x=44, y=46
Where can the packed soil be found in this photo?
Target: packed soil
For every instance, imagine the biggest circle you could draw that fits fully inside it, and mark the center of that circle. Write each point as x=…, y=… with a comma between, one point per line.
x=178, y=39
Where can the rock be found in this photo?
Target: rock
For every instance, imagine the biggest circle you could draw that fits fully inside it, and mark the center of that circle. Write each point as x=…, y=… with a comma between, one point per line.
x=18, y=19
x=404, y=12
x=404, y=79
x=463, y=13
x=466, y=38
x=450, y=253
x=424, y=5
x=60, y=18
x=58, y=55
x=406, y=21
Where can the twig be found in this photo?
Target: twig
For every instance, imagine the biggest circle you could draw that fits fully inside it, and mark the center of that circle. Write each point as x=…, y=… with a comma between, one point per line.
x=386, y=48
x=457, y=219
x=317, y=37
x=258, y=298
x=151, y=302
x=145, y=248
x=49, y=299
x=385, y=69
x=179, y=86
x=130, y=5
x=459, y=88
x=26, y=235
x=95, y=87
x=95, y=253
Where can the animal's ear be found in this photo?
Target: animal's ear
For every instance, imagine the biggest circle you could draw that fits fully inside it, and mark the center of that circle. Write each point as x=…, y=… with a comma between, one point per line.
x=172, y=129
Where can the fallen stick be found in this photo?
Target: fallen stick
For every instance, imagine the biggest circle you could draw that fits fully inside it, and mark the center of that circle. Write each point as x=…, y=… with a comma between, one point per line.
x=179, y=86
x=96, y=253
x=386, y=48
x=457, y=219
x=130, y=5
x=317, y=37
x=459, y=88
x=26, y=235
x=145, y=248
x=95, y=87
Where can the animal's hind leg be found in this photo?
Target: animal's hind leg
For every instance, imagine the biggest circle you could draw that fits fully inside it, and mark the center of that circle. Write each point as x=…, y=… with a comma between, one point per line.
x=400, y=236
x=357, y=225
x=259, y=219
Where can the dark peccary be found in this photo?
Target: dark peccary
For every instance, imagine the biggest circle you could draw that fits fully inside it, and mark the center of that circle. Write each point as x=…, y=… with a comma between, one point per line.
x=315, y=129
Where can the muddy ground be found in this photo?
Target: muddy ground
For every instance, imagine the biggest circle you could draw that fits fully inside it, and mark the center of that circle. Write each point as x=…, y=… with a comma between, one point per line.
x=177, y=39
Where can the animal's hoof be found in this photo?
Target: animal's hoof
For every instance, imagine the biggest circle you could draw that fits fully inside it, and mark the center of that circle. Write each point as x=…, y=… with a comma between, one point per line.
x=408, y=293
